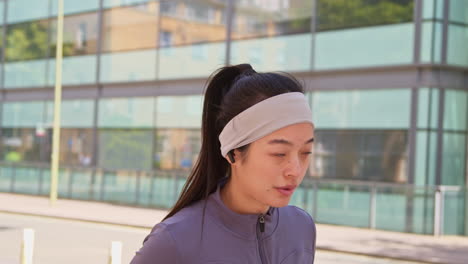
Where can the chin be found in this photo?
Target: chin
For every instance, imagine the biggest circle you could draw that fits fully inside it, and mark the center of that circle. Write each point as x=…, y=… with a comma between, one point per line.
x=279, y=203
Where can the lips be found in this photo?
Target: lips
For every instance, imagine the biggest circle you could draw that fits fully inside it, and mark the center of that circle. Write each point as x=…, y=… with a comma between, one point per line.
x=287, y=190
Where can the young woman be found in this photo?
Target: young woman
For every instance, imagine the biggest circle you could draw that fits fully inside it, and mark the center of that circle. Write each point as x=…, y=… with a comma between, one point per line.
x=257, y=138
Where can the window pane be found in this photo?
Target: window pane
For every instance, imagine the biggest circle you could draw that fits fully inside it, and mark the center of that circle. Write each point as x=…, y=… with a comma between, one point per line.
x=373, y=46
x=27, y=41
x=433, y=9
x=25, y=74
x=285, y=26
x=70, y=7
x=338, y=14
x=459, y=11
x=75, y=70
x=360, y=155
x=76, y=147
x=130, y=28
x=128, y=66
x=427, y=107
x=113, y=3
x=74, y=114
x=271, y=18
x=179, y=111
x=79, y=35
x=23, y=144
x=22, y=10
x=457, y=53
x=176, y=148
x=190, y=61
x=288, y=53
x=125, y=149
x=431, y=44
x=21, y=114
x=126, y=112
x=426, y=145
x=192, y=38
x=362, y=109
x=453, y=159
x=455, y=114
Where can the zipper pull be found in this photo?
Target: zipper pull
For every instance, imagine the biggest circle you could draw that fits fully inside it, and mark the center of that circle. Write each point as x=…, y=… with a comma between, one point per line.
x=261, y=220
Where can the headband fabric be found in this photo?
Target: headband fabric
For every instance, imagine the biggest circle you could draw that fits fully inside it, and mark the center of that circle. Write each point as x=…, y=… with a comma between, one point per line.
x=263, y=118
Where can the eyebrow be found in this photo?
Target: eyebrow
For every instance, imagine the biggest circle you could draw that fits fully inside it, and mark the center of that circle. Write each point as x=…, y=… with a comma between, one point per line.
x=285, y=142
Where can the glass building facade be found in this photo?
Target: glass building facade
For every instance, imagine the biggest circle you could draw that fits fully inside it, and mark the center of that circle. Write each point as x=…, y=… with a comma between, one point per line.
x=387, y=81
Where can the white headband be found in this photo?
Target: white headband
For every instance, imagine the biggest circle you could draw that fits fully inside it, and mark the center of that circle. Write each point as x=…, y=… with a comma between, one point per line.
x=263, y=118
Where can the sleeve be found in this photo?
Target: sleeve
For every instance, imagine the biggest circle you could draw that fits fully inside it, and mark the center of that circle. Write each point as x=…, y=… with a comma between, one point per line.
x=158, y=247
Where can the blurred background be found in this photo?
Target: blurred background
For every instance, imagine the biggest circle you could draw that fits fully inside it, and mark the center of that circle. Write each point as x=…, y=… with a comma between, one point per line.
x=387, y=81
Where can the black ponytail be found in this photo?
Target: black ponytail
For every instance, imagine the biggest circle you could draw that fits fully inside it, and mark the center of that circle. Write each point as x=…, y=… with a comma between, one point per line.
x=230, y=91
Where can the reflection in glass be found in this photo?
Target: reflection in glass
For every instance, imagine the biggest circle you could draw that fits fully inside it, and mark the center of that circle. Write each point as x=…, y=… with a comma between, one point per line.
x=27, y=41
x=339, y=14
x=191, y=22
x=360, y=155
x=79, y=35
x=271, y=18
x=23, y=10
x=24, y=145
x=455, y=113
x=360, y=109
x=76, y=147
x=22, y=74
x=199, y=23
x=458, y=11
x=370, y=46
x=125, y=149
x=457, y=53
x=128, y=66
x=130, y=28
x=454, y=159
x=179, y=111
x=23, y=114
x=74, y=114
x=176, y=148
x=126, y=112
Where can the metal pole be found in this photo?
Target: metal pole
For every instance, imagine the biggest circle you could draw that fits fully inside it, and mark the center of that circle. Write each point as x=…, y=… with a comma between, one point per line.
x=57, y=106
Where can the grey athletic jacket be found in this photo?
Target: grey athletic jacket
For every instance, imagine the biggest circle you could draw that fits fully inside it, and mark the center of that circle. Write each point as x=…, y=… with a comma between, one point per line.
x=281, y=236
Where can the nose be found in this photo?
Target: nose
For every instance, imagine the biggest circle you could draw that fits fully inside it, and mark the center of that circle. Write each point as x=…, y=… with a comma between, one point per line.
x=294, y=167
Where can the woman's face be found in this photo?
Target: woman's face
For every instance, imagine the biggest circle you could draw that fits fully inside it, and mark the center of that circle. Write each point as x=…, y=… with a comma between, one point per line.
x=273, y=166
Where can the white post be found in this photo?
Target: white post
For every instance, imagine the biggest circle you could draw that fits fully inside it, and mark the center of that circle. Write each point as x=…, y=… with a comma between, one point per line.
x=373, y=207
x=27, y=246
x=115, y=253
x=438, y=212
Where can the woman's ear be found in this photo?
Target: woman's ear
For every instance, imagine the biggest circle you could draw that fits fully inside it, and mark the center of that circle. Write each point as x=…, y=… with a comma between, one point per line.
x=231, y=156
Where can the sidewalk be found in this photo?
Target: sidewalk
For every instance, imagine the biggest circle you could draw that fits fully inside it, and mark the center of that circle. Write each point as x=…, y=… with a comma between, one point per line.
x=402, y=246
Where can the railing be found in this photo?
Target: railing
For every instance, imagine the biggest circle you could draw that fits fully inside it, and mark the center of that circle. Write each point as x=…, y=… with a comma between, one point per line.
x=438, y=210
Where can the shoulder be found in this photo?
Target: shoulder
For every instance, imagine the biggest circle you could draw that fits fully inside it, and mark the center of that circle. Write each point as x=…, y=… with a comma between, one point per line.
x=170, y=238
x=158, y=245
x=299, y=217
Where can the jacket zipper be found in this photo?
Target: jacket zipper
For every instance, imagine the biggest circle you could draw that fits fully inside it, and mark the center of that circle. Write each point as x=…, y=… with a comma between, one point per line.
x=260, y=230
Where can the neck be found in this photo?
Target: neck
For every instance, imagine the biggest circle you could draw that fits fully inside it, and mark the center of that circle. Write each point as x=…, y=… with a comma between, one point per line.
x=237, y=201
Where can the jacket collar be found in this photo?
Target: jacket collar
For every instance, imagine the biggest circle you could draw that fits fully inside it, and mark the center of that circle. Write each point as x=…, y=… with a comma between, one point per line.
x=244, y=225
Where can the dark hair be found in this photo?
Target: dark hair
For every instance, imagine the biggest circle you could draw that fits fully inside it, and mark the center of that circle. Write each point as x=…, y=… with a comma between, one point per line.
x=230, y=91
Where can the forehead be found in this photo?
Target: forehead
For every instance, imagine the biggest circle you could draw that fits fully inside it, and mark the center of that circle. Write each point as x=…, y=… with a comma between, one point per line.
x=296, y=134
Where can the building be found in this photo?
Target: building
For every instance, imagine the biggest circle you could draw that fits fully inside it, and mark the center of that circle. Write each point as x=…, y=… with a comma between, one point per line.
x=387, y=82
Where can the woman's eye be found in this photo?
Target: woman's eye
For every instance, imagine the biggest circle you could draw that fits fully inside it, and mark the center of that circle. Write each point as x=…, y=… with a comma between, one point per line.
x=307, y=153
x=279, y=154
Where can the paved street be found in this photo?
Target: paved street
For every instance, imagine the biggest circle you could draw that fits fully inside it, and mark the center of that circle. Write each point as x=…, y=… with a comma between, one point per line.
x=72, y=242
